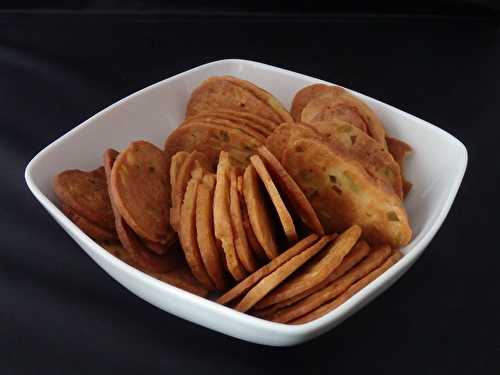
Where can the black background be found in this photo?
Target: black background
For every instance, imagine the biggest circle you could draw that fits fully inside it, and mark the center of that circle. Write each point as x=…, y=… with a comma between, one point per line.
x=60, y=313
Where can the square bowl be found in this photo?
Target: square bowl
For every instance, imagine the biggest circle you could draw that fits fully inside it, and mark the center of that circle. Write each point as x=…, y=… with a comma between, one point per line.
x=437, y=165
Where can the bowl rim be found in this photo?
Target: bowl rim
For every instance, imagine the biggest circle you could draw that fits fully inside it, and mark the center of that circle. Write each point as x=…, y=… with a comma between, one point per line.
x=418, y=244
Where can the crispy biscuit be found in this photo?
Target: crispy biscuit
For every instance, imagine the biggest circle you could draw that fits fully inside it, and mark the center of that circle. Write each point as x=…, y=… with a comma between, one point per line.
x=222, y=221
x=283, y=213
x=89, y=228
x=352, y=290
x=265, y=270
x=86, y=193
x=258, y=213
x=139, y=190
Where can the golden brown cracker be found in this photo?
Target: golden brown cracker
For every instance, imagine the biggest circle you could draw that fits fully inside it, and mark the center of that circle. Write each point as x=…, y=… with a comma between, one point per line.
x=305, y=95
x=86, y=194
x=315, y=272
x=256, y=122
x=188, y=236
x=205, y=231
x=242, y=125
x=400, y=150
x=265, y=270
x=352, y=290
x=180, y=181
x=359, y=252
x=139, y=190
x=226, y=92
x=310, y=303
x=271, y=281
x=243, y=251
x=379, y=163
x=283, y=213
x=258, y=213
x=222, y=221
x=252, y=240
x=210, y=139
x=343, y=193
x=90, y=229
x=292, y=191
x=136, y=253
x=339, y=104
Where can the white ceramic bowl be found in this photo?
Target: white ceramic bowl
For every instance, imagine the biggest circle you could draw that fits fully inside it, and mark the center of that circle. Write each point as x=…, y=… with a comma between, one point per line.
x=436, y=166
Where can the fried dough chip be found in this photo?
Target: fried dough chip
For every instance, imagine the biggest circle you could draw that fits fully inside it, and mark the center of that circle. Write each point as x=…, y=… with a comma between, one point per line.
x=379, y=163
x=245, y=255
x=305, y=95
x=210, y=139
x=205, y=231
x=292, y=191
x=371, y=262
x=139, y=190
x=228, y=92
x=338, y=104
x=90, y=229
x=315, y=272
x=258, y=213
x=187, y=232
x=343, y=193
x=86, y=194
x=222, y=221
x=256, y=122
x=283, y=213
x=359, y=252
x=230, y=123
x=136, y=253
x=267, y=269
x=270, y=282
x=400, y=151
x=180, y=180
x=352, y=290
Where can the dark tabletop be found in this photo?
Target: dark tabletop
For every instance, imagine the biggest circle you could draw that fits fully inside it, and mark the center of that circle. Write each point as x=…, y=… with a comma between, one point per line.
x=60, y=313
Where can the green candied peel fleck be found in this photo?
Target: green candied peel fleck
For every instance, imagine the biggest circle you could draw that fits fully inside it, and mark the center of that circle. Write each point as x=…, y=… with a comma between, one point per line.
x=351, y=184
x=345, y=128
x=224, y=136
x=391, y=215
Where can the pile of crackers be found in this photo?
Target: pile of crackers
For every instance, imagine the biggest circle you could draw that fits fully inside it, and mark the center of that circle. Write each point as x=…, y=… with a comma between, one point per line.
x=282, y=215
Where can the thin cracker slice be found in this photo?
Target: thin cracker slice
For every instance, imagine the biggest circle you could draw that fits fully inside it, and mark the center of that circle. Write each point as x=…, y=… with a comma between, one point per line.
x=136, y=253
x=230, y=123
x=306, y=94
x=292, y=191
x=400, y=150
x=222, y=221
x=139, y=190
x=180, y=180
x=258, y=213
x=205, y=231
x=89, y=228
x=187, y=233
x=271, y=281
x=265, y=270
x=245, y=255
x=283, y=213
x=210, y=139
x=352, y=290
x=359, y=252
x=86, y=194
x=310, y=303
x=232, y=93
x=316, y=272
